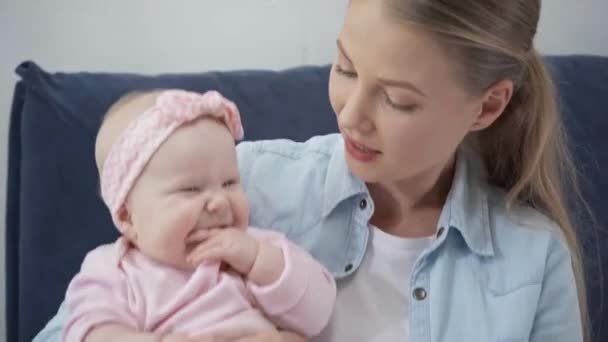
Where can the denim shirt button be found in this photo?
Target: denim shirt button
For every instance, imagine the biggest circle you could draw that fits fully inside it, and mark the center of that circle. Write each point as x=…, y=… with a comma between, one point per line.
x=440, y=232
x=420, y=294
x=363, y=204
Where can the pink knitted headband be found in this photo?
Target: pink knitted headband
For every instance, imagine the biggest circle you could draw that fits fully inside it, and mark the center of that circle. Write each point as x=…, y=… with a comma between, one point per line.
x=137, y=144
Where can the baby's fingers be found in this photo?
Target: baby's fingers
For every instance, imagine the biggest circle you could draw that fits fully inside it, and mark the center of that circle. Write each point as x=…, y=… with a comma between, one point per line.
x=207, y=252
x=185, y=338
x=208, y=339
x=198, y=235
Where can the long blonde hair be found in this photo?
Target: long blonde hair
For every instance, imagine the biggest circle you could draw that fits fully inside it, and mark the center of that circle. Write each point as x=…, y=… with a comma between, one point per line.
x=525, y=150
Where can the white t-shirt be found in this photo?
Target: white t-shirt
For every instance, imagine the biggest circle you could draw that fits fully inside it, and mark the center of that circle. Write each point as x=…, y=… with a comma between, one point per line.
x=372, y=304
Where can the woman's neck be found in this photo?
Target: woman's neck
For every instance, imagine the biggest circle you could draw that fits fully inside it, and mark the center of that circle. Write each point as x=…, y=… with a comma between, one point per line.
x=411, y=207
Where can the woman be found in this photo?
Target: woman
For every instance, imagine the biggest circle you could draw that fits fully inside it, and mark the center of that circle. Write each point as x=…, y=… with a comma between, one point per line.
x=439, y=207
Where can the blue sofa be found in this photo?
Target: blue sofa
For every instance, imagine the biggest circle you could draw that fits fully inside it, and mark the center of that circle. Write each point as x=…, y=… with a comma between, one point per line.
x=54, y=214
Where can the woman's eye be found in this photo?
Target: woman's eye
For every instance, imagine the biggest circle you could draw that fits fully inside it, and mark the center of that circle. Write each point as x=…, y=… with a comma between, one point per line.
x=190, y=189
x=404, y=108
x=344, y=72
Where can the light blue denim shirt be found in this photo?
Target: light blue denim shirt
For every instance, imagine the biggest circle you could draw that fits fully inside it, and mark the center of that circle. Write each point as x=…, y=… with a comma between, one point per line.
x=490, y=275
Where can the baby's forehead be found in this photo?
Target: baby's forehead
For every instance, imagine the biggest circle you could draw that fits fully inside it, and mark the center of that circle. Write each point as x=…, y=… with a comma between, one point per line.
x=206, y=130
x=204, y=150
x=131, y=105
x=118, y=117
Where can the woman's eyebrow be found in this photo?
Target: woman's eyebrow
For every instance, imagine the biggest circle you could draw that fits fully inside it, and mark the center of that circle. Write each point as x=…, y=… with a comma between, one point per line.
x=341, y=48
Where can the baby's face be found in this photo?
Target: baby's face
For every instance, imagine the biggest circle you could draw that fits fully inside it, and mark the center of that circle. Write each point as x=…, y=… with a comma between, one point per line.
x=191, y=182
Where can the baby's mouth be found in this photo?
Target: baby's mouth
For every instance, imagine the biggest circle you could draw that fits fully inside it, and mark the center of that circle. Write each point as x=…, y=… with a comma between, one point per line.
x=219, y=224
x=191, y=242
x=209, y=227
x=190, y=246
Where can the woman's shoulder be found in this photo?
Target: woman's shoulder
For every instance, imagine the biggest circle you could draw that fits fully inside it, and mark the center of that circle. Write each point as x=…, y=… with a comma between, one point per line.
x=532, y=262
x=511, y=226
x=285, y=181
x=524, y=239
x=519, y=221
x=512, y=231
x=321, y=146
x=273, y=160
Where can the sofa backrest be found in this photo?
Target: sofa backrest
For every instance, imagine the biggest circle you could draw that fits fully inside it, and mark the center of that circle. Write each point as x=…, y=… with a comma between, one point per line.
x=54, y=215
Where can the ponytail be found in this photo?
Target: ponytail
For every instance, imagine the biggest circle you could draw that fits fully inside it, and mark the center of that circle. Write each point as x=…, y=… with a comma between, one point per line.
x=525, y=151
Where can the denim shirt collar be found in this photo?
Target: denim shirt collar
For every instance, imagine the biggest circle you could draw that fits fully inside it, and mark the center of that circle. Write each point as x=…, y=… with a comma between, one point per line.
x=340, y=183
x=466, y=208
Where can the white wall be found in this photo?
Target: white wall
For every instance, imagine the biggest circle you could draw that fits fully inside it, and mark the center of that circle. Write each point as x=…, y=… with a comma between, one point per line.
x=154, y=36
x=192, y=35
x=573, y=27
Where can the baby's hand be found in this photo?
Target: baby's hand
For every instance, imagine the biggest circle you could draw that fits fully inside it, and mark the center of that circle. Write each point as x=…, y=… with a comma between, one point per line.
x=185, y=338
x=272, y=336
x=230, y=245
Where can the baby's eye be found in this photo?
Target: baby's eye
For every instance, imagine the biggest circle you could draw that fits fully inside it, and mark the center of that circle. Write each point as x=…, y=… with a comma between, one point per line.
x=190, y=189
x=229, y=183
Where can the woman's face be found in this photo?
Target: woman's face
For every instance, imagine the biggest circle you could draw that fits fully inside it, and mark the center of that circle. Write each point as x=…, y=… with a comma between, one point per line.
x=400, y=105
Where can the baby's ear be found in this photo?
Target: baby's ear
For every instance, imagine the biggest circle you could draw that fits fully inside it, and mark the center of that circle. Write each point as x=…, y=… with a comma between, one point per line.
x=125, y=224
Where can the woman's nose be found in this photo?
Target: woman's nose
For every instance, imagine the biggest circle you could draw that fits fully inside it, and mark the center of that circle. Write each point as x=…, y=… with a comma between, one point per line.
x=355, y=115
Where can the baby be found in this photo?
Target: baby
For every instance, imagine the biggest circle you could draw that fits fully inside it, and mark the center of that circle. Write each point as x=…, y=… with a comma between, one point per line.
x=187, y=264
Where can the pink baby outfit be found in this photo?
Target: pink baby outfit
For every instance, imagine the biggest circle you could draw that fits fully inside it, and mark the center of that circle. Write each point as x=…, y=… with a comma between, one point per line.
x=118, y=284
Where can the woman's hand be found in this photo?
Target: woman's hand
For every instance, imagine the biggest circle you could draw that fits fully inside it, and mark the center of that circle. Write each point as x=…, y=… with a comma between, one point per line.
x=272, y=336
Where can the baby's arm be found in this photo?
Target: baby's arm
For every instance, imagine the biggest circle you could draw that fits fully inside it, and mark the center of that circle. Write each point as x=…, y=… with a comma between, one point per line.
x=268, y=265
x=97, y=301
x=290, y=286
x=295, y=291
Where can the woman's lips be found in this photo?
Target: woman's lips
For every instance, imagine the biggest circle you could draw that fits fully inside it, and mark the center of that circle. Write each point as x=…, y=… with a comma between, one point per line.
x=359, y=151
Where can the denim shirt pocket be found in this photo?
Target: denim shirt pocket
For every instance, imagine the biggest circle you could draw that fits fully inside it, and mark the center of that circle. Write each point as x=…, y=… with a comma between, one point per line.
x=513, y=309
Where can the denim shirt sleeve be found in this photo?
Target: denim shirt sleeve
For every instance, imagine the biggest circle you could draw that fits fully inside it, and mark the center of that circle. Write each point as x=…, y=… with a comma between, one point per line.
x=53, y=331
x=245, y=155
x=557, y=317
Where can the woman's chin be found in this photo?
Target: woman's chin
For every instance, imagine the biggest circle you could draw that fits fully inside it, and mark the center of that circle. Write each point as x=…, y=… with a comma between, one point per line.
x=369, y=172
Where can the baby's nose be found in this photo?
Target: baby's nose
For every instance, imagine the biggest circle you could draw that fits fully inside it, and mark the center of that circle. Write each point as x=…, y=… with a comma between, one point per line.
x=218, y=204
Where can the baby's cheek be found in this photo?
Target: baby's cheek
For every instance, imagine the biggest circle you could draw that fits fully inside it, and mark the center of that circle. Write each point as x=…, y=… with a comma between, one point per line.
x=241, y=210
x=171, y=222
x=185, y=212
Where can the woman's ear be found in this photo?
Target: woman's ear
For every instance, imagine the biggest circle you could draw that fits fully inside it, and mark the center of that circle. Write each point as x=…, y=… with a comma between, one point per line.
x=125, y=224
x=494, y=101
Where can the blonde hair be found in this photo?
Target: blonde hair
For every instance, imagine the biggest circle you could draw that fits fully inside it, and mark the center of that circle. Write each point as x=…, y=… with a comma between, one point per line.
x=525, y=150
